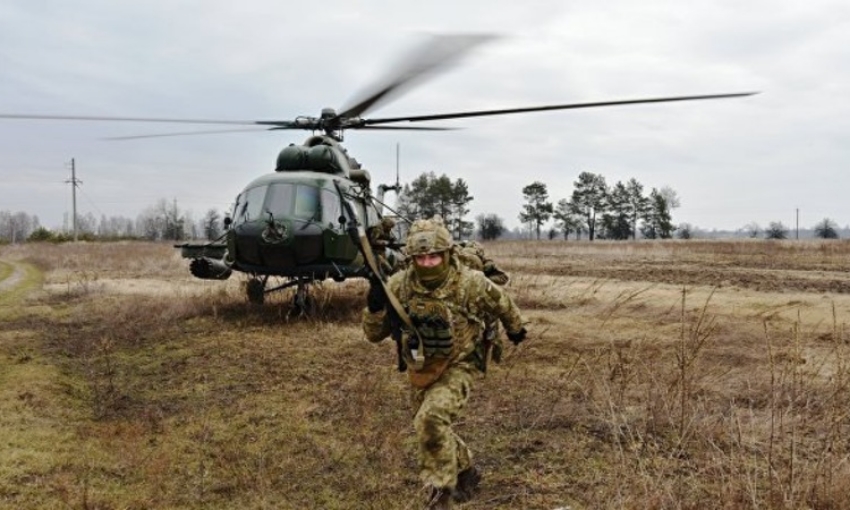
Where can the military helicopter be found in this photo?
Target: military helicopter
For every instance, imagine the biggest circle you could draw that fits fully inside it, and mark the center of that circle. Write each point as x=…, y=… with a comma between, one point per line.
x=309, y=219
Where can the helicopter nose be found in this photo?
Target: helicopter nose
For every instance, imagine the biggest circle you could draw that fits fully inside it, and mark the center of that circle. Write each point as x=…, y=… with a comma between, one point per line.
x=281, y=251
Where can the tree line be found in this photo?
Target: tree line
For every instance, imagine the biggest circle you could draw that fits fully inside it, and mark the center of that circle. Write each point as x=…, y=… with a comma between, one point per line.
x=602, y=211
x=594, y=208
x=619, y=212
x=428, y=195
x=163, y=221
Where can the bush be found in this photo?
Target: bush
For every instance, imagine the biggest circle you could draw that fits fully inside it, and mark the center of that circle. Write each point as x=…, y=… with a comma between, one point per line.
x=42, y=234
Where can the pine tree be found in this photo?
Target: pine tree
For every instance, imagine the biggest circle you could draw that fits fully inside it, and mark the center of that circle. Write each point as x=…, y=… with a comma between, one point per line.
x=589, y=199
x=537, y=209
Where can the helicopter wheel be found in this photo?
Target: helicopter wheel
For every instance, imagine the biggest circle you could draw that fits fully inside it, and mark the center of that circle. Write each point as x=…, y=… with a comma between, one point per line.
x=256, y=290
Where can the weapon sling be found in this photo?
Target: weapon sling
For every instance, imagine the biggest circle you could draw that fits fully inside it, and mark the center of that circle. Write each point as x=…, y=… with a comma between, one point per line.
x=366, y=249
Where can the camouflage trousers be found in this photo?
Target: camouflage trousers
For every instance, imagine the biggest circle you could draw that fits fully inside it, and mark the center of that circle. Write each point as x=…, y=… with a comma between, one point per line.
x=442, y=454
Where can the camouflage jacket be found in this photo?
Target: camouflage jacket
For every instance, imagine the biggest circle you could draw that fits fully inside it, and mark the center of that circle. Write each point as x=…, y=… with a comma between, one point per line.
x=378, y=236
x=474, y=259
x=469, y=296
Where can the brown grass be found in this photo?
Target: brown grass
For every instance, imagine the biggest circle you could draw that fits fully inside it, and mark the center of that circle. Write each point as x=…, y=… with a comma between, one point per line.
x=656, y=375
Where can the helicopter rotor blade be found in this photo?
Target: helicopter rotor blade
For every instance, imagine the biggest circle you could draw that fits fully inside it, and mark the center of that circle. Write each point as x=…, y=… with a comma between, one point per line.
x=572, y=106
x=434, y=55
x=135, y=119
x=187, y=133
x=298, y=123
x=410, y=128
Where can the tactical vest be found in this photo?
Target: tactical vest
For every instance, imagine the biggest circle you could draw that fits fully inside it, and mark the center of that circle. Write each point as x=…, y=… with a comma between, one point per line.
x=448, y=305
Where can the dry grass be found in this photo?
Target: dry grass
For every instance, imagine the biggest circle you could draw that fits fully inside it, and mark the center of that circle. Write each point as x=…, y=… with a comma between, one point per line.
x=657, y=375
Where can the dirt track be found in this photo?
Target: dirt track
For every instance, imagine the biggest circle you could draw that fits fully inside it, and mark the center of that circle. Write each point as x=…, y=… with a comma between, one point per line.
x=14, y=278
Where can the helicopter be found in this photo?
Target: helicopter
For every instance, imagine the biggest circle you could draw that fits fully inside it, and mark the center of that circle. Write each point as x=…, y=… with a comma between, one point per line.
x=310, y=218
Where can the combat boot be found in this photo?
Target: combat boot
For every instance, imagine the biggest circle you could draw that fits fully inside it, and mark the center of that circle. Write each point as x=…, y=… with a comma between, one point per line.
x=467, y=484
x=441, y=499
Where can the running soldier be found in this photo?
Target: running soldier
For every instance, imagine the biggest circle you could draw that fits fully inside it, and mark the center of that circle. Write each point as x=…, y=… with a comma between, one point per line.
x=472, y=255
x=446, y=303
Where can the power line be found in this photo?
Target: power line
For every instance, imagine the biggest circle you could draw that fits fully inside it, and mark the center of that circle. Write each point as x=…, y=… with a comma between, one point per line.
x=74, y=183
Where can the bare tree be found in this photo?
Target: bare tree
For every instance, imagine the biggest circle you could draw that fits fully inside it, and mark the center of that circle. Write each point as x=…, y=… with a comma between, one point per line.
x=776, y=230
x=163, y=220
x=826, y=229
x=16, y=227
x=670, y=197
x=490, y=226
x=751, y=230
x=211, y=225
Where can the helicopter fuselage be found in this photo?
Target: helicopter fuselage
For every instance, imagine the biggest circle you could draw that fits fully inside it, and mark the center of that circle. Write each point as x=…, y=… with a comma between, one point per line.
x=299, y=221
x=288, y=224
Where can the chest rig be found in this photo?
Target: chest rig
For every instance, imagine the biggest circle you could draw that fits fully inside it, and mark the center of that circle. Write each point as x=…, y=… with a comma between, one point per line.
x=442, y=318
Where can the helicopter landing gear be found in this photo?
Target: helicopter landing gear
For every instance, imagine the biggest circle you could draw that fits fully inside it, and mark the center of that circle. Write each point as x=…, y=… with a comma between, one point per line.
x=256, y=290
x=302, y=303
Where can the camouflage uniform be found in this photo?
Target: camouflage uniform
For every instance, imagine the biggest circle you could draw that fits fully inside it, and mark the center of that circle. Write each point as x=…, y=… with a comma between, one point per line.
x=472, y=255
x=447, y=305
x=381, y=237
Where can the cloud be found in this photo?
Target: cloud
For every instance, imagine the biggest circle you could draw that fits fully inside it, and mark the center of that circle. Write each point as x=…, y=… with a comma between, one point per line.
x=732, y=162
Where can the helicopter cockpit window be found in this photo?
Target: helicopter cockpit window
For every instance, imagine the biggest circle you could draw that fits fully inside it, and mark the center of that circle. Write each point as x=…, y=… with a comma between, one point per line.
x=307, y=204
x=331, y=208
x=302, y=201
x=279, y=201
x=250, y=204
x=236, y=209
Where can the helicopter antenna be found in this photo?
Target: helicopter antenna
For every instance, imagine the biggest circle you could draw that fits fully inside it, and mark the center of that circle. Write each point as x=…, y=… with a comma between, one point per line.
x=397, y=186
x=383, y=188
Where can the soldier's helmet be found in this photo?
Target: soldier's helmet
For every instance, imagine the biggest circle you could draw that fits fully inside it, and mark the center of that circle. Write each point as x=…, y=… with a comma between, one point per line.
x=475, y=248
x=428, y=236
x=387, y=223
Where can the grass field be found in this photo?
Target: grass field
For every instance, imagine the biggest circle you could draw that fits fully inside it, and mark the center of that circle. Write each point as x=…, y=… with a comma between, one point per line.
x=674, y=375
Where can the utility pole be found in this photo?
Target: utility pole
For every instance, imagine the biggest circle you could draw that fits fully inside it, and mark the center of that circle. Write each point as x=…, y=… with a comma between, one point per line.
x=798, y=223
x=74, y=183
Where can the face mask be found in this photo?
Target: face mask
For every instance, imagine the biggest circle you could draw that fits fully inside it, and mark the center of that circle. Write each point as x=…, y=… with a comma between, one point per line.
x=433, y=276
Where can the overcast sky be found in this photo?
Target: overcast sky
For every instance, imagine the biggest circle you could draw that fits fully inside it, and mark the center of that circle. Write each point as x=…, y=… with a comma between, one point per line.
x=732, y=162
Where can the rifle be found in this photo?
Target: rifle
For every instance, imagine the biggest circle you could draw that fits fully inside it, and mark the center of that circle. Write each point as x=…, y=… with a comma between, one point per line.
x=396, y=334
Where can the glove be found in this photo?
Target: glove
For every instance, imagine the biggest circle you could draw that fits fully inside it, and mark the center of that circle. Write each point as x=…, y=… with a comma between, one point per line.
x=376, y=298
x=517, y=337
x=489, y=268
